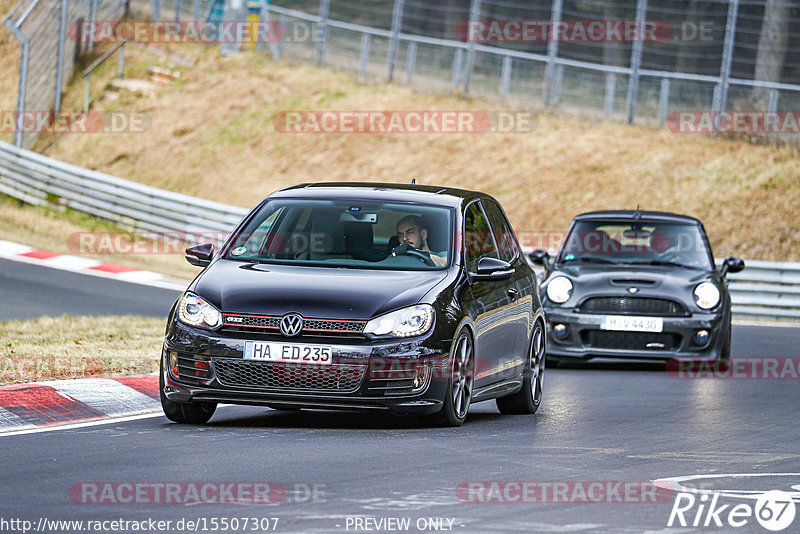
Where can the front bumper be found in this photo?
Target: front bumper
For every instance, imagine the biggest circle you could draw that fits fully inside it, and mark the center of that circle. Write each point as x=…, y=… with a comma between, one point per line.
x=584, y=338
x=403, y=377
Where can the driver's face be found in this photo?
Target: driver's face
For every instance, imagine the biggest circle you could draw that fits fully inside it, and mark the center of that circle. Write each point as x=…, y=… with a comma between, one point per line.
x=408, y=232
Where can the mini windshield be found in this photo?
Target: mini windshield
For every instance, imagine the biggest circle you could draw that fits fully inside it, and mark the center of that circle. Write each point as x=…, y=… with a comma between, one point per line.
x=351, y=233
x=637, y=243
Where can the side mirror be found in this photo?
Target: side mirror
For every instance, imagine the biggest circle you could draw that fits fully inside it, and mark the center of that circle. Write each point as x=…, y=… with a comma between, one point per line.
x=490, y=269
x=732, y=264
x=199, y=255
x=540, y=257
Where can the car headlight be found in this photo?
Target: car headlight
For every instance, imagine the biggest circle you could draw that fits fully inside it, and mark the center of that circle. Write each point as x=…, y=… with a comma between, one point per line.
x=559, y=289
x=411, y=321
x=195, y=311
x=706, y=295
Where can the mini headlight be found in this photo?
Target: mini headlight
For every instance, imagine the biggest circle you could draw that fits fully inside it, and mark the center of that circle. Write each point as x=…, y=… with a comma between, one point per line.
x=195, y=311
x=559, y=289
x=411, y=321
x=706, y=295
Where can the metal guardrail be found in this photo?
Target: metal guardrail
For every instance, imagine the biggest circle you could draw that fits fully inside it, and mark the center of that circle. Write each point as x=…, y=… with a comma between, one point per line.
x=764, y=290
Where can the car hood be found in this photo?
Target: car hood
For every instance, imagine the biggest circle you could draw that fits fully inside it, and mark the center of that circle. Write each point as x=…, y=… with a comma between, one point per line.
x=651, y=281
x=248, y=288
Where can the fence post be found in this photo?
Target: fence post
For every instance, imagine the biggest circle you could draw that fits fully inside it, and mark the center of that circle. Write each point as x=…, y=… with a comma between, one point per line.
x=397, y=23
x=196, y=13
x=474, y=14
x=22, y=83
x=364, y=57
x=505, y=78
x=663, y=102
x=322, y=31
x=458, y=61
x=62, y=35
x=636, y=60
x=772, y=107
x=155, y=7
x=611, y=93
x=279, y=49
x=552, y=49
x=178, y=6
x=558, y=79
x=411, y=60
x=92, y=20
x=727, y=54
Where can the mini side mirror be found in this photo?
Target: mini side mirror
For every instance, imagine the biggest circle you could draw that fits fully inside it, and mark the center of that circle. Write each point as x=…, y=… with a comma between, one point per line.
x=493, y=269
x=732, y=264
x=199, y=255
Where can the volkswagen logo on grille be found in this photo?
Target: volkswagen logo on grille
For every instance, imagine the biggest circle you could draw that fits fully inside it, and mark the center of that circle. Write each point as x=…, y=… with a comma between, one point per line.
x=291, y=324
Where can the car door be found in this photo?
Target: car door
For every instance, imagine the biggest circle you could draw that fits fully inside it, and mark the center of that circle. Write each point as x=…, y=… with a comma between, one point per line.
x=491, y=305
x=519, y=289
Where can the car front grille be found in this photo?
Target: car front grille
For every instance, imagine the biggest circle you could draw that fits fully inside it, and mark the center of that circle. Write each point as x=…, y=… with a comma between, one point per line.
x=273, y=376
x=644, y=341
x=633, y=306
x=311, y=326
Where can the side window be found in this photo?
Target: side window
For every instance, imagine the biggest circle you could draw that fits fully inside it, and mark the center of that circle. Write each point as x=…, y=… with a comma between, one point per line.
x=503, y=234
x=478, y=238
x=254, y=242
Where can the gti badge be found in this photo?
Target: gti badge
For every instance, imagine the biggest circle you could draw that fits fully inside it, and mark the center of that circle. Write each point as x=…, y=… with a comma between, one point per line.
x=291, y=324
x=632, y=290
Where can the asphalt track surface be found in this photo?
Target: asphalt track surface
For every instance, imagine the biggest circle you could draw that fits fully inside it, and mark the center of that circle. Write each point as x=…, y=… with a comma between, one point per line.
x=600, y=422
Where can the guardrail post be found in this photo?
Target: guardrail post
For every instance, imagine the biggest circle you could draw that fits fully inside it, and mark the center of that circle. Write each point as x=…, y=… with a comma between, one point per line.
x=727, y=55
x=121, y=64
x=611, y=93
x=552, y=49
x=322, y=31
x=663, y=102
x=62, y=35
x=364, y=57
x=458, y=62
x=772, y=106
x=86, y=94
x=505, y=78
x=636, y=59
x=474, y=14
x=92, y=20
x=411, y=60
x=397, y=23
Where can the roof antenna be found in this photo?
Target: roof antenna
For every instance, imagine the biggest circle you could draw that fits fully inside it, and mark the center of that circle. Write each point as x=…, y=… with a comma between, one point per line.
x=413, y=181
x=636, y=214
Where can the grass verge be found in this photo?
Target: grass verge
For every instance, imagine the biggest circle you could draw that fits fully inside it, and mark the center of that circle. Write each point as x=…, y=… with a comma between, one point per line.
x=53, y=348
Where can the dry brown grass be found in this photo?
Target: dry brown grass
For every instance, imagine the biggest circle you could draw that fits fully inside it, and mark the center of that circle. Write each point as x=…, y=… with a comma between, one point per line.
x=212, y=136
x=50, y=229
x=9, y=65
x=52, y=348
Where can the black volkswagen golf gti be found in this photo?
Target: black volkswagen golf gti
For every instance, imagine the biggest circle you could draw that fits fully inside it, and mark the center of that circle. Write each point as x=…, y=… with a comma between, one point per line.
x=637, y=285
x=380, y=297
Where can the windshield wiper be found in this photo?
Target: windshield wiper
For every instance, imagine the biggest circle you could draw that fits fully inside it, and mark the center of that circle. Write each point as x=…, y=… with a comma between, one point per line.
x=590, y=259
x=665, y=263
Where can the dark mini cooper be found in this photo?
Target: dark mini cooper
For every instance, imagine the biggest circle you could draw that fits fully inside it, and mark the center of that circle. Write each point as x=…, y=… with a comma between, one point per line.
x=640, y=285
x=398, y=298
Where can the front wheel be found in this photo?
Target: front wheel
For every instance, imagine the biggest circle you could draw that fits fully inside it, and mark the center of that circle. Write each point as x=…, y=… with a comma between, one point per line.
x=460, y=382
x=528, y=399
x=180, y=412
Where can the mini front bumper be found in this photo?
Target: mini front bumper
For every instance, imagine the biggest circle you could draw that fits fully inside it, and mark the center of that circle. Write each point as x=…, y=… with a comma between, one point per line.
x=365, y=375
x=584, y=338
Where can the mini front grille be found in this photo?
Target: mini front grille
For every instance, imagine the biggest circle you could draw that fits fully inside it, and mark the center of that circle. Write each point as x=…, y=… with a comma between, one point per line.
x=261, y=323
x=644, y=341
x=633, y=306
x=337, y=378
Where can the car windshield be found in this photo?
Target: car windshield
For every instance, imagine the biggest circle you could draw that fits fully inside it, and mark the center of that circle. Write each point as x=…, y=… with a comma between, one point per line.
x=347, y=233
x=638, y=243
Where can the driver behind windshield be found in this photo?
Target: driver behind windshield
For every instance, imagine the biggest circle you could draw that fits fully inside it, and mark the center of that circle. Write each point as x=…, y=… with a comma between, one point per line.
x=412, y=232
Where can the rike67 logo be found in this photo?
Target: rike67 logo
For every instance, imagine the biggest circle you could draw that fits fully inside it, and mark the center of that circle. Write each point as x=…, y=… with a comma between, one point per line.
x=774, y=510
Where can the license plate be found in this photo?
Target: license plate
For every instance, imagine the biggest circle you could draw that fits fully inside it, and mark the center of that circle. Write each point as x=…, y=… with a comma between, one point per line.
x=631, y=324
x=288, y=352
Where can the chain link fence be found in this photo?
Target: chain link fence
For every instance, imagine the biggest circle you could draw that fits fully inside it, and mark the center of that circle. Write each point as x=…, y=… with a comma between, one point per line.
x=706, y=55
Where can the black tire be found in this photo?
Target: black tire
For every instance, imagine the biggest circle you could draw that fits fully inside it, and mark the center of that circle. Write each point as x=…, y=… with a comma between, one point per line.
x=528, y=399
x=553, y=362
x=180, y=412
x=459, y=384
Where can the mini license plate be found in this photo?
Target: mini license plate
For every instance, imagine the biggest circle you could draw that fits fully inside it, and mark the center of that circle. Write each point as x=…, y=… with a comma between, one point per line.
x=288, y=352
x=631, y=324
